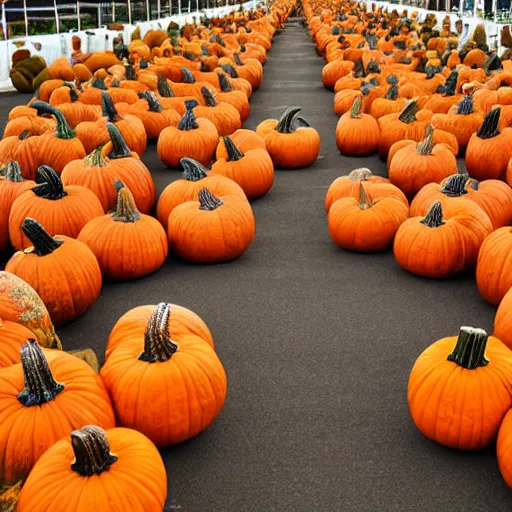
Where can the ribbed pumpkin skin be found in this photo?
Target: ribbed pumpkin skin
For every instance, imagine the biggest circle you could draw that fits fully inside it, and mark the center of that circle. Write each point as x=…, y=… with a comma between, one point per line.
x=126, y=486
x=126, y=250
x=244, y=139
x=27, y=432
x=503, y=320
x=12, y=337
x=194, y=374
x=65, y=216
x=224, y=116
x=133, y=322
x=68, y=280
x=504, y=449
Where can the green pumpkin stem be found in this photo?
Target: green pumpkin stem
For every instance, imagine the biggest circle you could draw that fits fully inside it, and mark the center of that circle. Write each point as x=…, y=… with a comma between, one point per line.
x=207, y=201
x=12, y=172
x=224, y=83
x=450, y=85
x=364, y=201
x=489, y=128
x=126, y=209
x=108, y=109
x=193, y=170
x=392, y=92
x=286, y=120
x=50, y=185
x=99, y=83
x=434, y=216
x=95, y=158
x=164, y=89
x=230, y=70
x=158, y=346
x=154, y=104
x=233, y=151
x=208, y=96
x=187, y=76
x=465, y=106
x=119, y=147
x=469, y=351
x=237, y=59
x=39, y=387
x=355, y=109
x=92, y=451
x=455, y=185
x=73, y=93
x=408, y=113
x=63, y=130
x=41, y=240
x=189, y=121
x=427, y=144
x=25, y=134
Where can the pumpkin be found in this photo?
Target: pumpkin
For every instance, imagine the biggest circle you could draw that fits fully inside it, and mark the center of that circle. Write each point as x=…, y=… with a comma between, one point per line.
x=98, y=461
x=291, y=146
x=211, y=229
x=126, y=243
x=12, y=185
x=334, y=70
x=154, y=117
x=63, y=271
x=344, y=100
x=74, y=110
x=47, y=87
x=443, y=243
x=229, y=95
x=489, y=150
x=492, y=196
x=503, y=320
x=44, y=399
x=195, y=177
x=99, y=60
x=63, y=211
x=186, y=364
x=20, y=303
x=493, y=270
x=135, y=321
x=459, y=389
x=168, y=98
x=98, y=173
x=224, y=116
x=365, y=225
x=61, y=147
x=442, y=102
x=245, y=141
x=357, y=134
x=29, y=122
x=503, y=449
x=252, y=170
x=61, y=68
x=13, y=336
x=194, y=138
x=22, y=149
x=391, y=103
x=250, y=70
x=415, y=165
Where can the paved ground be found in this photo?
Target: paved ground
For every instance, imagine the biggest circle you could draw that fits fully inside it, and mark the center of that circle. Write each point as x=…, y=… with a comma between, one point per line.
x=317, y=344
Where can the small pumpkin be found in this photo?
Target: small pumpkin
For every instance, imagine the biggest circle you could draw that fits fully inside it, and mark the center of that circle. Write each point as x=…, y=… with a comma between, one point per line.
x=94, y=458
x=252, y=170
x=446, y=98
x=459, y=389
x=63, y=211
x=211, y=229
x=126, y=243
x=391, y=103
x=194, y=138
x=363, y=224
x=42, y=400
x=74, y=110
x=245, y=141
x=23, y=149
x=228, y=94
x=13, y=336
x=291, y=145
x=63, y=271
x=154, y=362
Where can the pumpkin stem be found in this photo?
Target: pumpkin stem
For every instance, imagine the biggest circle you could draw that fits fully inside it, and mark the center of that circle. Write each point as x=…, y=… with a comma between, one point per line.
x=455, y=185
x=50, y=185
x=286, y=120
x=208, y=96
x=92, y=451
x=207, y=201
x=119, y=147
x=12, y=172
x=434, y=217
x=95, y=158
x=158, y=346
x=451, y=83
x=237, y=59
x=355, y=109
x=300, y=122
x=99, y=83
x=427, y=144
x=130, y=72
x=360, y=174
x=41, y=240
x=489, y=128
x=154, y=104
x=224, y=83
x=187, y=76
x=40, y=387
x=193, y=170
x=465, y=106
x=392, y=92
x=188, y=121
x=24, y=135
x=364, y=201
x=164, y=88
x=126, y=209
x=233, y=151
x=408, y=113
x=63, y=130
x=108, y=109
x=469, y=351
x=73, y=93
x=230, y=70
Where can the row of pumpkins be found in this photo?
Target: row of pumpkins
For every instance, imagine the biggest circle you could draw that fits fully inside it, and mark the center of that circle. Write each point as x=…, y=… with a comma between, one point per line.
x=76, y=200
x=440, y=222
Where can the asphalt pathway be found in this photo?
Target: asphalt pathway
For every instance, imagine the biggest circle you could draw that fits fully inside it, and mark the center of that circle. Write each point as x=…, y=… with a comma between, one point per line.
x=317, y=344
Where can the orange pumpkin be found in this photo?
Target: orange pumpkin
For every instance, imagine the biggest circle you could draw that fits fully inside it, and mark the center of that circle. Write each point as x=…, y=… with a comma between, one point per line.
x=13, y=336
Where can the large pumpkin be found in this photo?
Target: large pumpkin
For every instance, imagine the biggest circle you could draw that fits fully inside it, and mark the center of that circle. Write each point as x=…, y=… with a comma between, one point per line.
x=180, y=382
